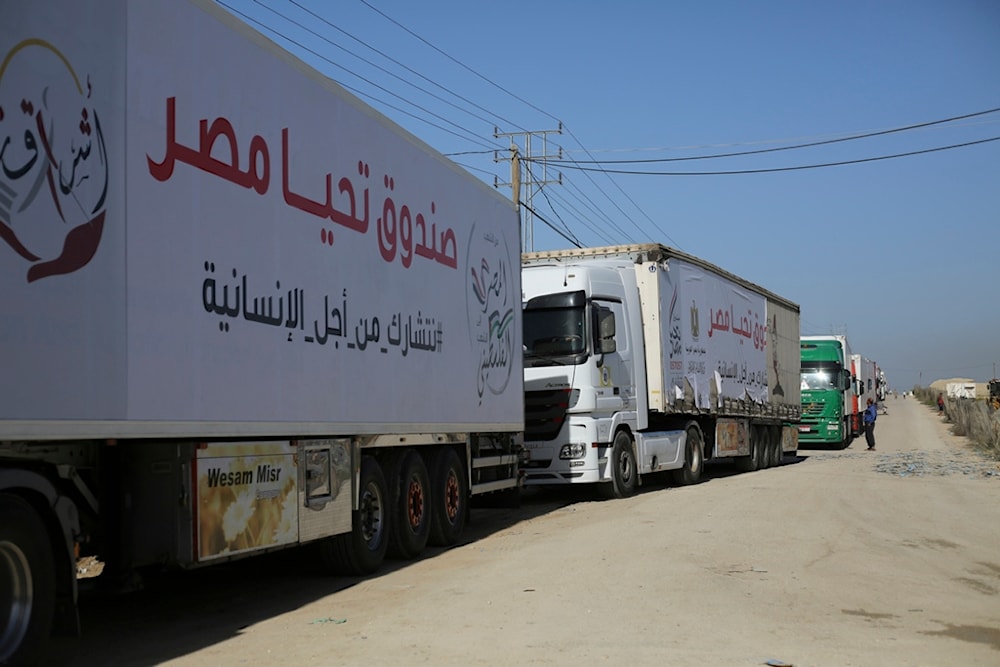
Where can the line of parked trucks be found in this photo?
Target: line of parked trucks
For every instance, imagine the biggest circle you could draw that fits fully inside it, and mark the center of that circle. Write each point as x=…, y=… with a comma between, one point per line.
x=240, y=320
x=836, y=386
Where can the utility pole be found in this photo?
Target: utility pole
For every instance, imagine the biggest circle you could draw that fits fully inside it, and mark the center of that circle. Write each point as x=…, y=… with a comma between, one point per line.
x=533, y=183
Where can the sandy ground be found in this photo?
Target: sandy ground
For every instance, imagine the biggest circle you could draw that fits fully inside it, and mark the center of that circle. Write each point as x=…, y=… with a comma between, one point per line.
x=823, y=561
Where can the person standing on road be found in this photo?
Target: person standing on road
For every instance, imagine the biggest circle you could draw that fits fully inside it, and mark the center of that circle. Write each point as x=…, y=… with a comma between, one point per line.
x=871, y=412
x=940, y=404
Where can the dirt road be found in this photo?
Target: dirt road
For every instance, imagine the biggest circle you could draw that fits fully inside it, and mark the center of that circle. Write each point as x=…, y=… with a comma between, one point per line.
x=835, y=558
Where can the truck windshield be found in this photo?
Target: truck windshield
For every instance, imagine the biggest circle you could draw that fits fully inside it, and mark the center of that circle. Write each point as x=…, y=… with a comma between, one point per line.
x=818, y=380
x=554, y=331
x=555, y=326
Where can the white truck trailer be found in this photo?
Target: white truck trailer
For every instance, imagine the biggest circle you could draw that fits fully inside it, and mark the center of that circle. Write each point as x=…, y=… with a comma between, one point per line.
x=641, y=358
x=242, y=311
x=866, y=386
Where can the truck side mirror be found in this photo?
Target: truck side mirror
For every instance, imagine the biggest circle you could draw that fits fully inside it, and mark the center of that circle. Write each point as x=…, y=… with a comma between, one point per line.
x=604, y=326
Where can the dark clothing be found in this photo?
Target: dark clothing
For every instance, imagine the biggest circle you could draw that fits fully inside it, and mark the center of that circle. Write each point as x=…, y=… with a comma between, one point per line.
x=870, y=434
x=871, y=413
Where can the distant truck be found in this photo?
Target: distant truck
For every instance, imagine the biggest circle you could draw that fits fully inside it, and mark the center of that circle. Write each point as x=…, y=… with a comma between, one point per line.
x=242, y=311
x=993, y=391
x=867, y=385
x=640, y=359
x=830, y=391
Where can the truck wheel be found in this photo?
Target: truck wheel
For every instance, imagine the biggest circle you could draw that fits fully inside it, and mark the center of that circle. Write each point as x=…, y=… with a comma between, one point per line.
x=779, y=453
x=450, y=499
x=760, y=452
x=27, y=582
x=363, y=549
x=411, y=524
x=624, y=471
x=694, y=459
x=767, y=447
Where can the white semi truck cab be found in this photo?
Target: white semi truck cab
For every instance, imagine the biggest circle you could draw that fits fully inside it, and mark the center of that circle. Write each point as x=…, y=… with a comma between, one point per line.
x=586, y=413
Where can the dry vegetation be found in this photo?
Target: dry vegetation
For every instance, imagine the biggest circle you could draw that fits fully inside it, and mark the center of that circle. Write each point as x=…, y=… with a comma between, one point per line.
x=974, y=419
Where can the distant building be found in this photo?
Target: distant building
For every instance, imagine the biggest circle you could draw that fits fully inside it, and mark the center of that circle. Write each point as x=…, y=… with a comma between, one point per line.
x=942, y=385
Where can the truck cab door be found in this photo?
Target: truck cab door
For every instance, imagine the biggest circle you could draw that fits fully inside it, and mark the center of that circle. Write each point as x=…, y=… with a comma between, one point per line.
x=616, y=383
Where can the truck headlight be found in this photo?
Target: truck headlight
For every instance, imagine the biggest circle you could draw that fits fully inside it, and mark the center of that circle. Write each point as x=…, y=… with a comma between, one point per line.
x=574, y=450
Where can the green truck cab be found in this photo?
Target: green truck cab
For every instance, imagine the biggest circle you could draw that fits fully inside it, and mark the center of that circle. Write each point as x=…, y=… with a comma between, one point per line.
x=826, y=385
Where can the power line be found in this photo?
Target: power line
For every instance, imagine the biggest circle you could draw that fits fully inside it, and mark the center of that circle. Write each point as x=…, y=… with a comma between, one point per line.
x=589, y=203
x=544, y=192
x=529, y=104
x=620, y=189
x=383, y=102
x=489, y=152
x=403, y=65
x=549, y=224
x=473, y=135
x=855, y=137
x=459, y=63
x=731, y=144
x=583, y=217
x=779, y=169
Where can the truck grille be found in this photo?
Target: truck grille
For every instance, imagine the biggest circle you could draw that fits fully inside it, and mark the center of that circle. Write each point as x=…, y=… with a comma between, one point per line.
x=812, y=409
x=544, y=413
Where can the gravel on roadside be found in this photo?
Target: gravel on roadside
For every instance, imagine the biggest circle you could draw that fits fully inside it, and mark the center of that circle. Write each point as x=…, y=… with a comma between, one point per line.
x=927, y=463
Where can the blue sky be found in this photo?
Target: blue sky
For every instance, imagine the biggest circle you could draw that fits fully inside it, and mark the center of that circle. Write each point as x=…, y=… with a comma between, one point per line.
x=902, y=255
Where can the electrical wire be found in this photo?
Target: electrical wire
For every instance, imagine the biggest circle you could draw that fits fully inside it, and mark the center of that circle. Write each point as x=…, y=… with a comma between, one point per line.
x=383, y=102
x=773, y=169
x=637, y=207
x=544, y=192
x=731, y=144
x=393, y=60
x=547, y=223
x=571, y=164
x=788, y=148
x=368, y=81
x=582, y=217
x=459, y=63
x=530, y=105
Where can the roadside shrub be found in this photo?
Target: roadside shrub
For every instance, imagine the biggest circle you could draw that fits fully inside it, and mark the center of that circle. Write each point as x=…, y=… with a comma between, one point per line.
x=973, y=419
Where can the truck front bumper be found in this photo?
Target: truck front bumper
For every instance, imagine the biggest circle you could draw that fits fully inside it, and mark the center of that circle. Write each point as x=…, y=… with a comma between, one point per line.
x=544, y=467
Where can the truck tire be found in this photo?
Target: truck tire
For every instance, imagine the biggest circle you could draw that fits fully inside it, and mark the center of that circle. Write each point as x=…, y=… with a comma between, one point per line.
x=768, y=446
x=760, y=453
x=694, y=459
x=623, y=468
x=848, y=434
x=779, y=453
x=27, y=582
x=411, y=520
x=450, y=498
x=363, y=549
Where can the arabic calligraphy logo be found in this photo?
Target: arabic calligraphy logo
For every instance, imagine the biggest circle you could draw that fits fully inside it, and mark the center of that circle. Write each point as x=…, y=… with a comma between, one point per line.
x=778, y=389
x=674, y=322
x=491, y=311
x=50, y=142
